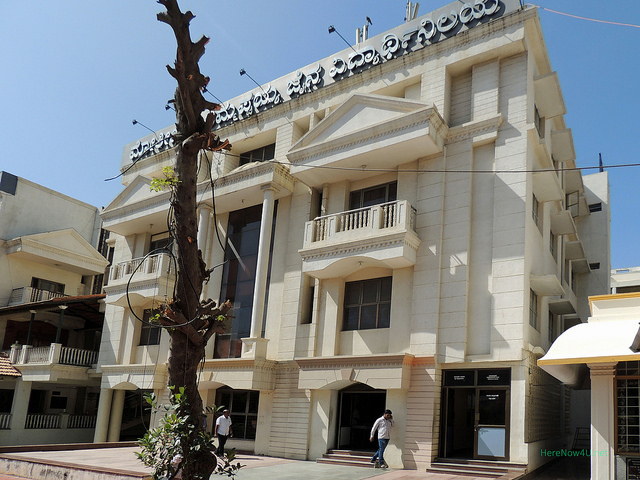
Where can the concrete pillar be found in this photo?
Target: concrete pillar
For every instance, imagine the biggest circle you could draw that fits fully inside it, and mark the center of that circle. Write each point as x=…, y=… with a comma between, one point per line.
x=204, y=227
x=104, y=412
x=602, y=421
x=20, y=405
x=320, y=438
x=115, y=422
x=397, y=403
x=262, y=267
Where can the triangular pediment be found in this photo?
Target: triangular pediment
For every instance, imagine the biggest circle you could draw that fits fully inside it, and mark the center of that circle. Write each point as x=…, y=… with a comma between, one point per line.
x=137, y=191
x=359, y=113
x=62, y=247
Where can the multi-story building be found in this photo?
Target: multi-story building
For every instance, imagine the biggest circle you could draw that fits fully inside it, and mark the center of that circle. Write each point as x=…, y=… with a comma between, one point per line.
x=51, y=318
x=400, y=225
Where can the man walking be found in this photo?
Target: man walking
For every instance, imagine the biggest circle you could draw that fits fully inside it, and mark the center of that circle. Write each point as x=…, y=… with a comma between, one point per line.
x=383, y=427
x=222, y=431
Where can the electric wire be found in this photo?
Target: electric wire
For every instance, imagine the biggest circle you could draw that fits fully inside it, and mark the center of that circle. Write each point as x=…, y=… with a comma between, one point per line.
x=620, y=24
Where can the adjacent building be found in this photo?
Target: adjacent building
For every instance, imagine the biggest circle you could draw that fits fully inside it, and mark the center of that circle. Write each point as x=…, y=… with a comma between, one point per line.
x=51, y=317
x=400, y=225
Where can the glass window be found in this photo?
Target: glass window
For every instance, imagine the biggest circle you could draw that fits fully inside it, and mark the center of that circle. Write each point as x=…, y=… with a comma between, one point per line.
x=47, y=285
x=367, y=304
x=628, y=408
x=261, y=154
x=243, y=410
x=533, y=309
x=367, y=197
x=149, y=334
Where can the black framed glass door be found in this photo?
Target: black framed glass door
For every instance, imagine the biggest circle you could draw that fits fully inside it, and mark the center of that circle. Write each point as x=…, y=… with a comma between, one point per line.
x=475, y=414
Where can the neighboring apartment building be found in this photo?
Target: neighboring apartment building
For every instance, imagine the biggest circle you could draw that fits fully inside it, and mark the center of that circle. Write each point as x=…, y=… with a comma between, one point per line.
x=625, y=280
x=402, y=227
x=50, y=318
x=606, y=352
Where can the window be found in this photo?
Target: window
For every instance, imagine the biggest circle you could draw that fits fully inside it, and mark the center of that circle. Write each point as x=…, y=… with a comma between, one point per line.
x=572, y=201
x=535, y=212
x=243, y=410
x=149, y=334
x=261, y=154
x=595, y=207
x=539, y=121
x=367, y=304
x=160, y=241
x=552, y=244
x=552, y=327
x=367, y=197
x=533, y=309
x=628, y=408
x=47, y=285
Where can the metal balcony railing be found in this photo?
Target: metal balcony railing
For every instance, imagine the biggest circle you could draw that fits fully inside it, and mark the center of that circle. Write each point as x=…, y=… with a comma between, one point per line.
x=5, y=421
x=30, y=294
x=52, y=354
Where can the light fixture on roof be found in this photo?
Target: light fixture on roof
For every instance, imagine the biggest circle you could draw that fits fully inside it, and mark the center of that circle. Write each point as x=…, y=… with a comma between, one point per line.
x=136, y=122
x=332, y=29
x=244, y=72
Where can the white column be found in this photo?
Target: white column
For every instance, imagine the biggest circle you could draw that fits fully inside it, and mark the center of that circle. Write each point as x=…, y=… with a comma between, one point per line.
x=104, y=411
x=204, y=225
x=115, y=422
x=602, y=421
x=19, y=406
x=262, y=267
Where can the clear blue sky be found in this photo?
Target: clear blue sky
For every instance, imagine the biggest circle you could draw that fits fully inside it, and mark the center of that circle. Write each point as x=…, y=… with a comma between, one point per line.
x=76, y=72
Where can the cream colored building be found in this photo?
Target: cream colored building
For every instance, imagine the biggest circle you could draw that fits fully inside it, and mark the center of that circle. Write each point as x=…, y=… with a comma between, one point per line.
x=398, y=227
x=50, y=320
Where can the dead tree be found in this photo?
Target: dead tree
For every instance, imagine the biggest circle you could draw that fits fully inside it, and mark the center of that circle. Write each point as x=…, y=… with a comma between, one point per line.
x=190, y=321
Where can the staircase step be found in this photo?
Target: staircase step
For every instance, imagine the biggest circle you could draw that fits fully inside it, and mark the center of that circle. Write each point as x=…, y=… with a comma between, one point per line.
x=337, y=461
x=347, y=457
x=468, y=473
x=479, y=468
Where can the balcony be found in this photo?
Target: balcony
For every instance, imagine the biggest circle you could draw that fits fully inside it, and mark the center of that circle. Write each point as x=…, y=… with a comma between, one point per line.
x=22, y=295
x=43, y=421
x=143, y=278
x=383, y=234
x=53, y=363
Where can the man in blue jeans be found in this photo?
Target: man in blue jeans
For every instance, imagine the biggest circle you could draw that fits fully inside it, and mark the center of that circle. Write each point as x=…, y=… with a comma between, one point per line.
x=383, y=427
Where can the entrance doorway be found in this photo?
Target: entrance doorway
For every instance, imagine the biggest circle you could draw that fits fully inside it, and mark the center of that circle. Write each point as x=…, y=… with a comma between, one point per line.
x=359, y=406
x=475, y=414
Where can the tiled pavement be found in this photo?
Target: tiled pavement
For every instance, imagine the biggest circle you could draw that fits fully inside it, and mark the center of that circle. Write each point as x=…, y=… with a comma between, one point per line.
x=269, y=468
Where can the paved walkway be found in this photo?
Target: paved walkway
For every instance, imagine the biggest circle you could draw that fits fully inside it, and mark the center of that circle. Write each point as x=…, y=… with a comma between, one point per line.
x=270, y=468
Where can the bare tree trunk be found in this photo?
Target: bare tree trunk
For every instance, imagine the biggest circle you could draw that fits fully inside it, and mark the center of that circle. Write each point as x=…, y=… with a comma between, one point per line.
x=191, y=321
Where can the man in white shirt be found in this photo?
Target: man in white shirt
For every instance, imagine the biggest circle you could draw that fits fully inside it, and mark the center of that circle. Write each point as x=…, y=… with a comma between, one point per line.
x=383, y=426
x=222, y=431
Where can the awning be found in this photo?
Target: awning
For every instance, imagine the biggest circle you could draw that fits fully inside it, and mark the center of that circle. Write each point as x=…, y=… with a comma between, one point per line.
x=590, y=343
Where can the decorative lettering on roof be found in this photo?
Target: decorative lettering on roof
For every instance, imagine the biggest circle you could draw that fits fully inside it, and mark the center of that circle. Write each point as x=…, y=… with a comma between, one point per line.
x=430, y=30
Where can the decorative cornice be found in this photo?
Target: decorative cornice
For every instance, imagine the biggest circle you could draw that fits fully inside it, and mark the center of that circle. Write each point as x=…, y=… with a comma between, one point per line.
x=354, y=361
x=358, y=245
x=475, y=128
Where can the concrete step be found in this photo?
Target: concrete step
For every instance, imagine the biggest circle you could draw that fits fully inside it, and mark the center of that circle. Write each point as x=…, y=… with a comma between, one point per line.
x=477, y=468
x=347, y=457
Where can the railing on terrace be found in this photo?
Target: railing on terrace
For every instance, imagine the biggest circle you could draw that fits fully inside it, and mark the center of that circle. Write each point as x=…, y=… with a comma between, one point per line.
x=52, y=354
x=362, y=221
x=5, y=421
x=156, y=264
x=44, y=421
x=39, y=421
x=29, y=295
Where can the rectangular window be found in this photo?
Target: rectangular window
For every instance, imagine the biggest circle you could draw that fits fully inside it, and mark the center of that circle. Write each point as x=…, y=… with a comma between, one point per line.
x=243, y=410
x=367, y=304
x=47, y=285
x=628, y=408
x=377, y=195
x=535, y=212
x=539, y=122
x=595, y=207
x=552, y=244
x=160, y=241
x=572, y=201
x=262, y=154
x=552, y=327
x=149, y=334
x=533, y=309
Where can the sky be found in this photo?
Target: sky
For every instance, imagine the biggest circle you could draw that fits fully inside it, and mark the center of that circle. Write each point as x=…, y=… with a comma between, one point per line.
x=75, y=73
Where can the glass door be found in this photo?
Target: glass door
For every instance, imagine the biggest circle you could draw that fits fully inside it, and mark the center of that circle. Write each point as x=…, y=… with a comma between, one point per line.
x=491, y=424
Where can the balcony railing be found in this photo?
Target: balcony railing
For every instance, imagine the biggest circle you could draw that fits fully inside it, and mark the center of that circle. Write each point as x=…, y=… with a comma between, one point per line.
x=5, y=421
x=48, y=421
x=53, y=354
x=158, y=264
x=29, y=295
x=361, y=222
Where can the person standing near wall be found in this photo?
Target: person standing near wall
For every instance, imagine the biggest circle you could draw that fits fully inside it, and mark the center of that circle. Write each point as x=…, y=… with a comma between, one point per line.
x=383, y=427
x=222, y=431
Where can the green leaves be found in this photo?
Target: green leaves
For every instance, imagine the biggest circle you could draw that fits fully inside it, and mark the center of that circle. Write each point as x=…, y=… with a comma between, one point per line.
x=170, y=180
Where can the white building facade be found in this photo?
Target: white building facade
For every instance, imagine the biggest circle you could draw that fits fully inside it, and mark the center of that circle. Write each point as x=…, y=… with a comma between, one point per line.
x=50, y=318
x=398, y=227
